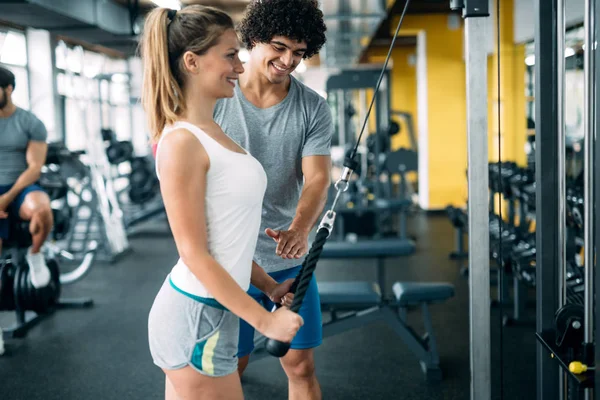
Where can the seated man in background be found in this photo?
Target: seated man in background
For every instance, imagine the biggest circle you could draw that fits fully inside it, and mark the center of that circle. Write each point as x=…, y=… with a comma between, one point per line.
x=22, y=154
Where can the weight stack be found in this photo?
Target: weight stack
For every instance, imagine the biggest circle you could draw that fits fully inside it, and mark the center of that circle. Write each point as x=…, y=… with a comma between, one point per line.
x=18, y=293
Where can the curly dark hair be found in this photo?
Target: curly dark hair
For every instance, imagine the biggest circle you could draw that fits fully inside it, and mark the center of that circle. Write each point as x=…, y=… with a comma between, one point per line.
x=300, y=20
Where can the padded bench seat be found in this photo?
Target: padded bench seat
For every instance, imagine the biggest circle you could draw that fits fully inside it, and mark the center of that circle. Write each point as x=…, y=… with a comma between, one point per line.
x=388, y=247
x=410, y=293
x=359, y=293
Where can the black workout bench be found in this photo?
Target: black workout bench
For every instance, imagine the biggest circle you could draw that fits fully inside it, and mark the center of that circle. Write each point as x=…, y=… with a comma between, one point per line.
x=367, y=301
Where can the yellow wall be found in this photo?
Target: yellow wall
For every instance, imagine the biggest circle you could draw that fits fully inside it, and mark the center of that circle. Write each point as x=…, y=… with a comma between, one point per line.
x=446, y=80
x=446, y=98
x=404, y=84
x=512, y=92
x=513, y=125
x=520, y=110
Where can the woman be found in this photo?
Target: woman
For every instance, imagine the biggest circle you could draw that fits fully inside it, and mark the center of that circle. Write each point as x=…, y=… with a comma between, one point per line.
x=213, y=191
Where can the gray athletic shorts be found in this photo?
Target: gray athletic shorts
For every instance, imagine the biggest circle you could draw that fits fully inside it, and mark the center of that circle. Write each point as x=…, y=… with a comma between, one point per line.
x=183, y=330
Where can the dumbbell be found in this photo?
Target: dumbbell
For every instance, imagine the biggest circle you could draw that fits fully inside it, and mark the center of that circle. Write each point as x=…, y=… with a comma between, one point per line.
x=142, y=180
x=117, y=151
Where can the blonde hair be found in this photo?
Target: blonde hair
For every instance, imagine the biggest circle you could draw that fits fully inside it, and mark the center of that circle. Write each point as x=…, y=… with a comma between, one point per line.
x=195, y=28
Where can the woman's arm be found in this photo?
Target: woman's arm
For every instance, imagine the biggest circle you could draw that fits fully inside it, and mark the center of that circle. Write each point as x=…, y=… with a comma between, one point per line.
x=277, y=292
x=261, y=280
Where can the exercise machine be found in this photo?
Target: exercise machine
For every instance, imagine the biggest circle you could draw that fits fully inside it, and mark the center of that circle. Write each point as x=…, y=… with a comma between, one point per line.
x=102, y=196
x=16, y=290
x=372, y=207
x=136, y=185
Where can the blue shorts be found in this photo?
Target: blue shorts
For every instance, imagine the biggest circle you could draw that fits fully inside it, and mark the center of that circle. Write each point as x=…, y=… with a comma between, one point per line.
x=15, y=206
x=311, y=333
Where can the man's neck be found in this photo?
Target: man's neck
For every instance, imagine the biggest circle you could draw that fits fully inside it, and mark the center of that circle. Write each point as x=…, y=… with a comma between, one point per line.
x=8, y=110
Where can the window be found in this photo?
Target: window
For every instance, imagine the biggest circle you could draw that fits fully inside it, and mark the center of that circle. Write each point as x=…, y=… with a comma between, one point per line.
x=20, y=95
x=81, y=119
x=96, y=90
x=13, y=48
x=13, y=56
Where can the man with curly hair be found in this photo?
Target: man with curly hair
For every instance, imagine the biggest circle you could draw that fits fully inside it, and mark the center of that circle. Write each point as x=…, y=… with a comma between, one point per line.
x=288, y=128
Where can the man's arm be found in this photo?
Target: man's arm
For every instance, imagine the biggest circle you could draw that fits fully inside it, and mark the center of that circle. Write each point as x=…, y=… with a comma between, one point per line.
x=293, y=243
x=36, y=158
x=316, y=168
x=317, y=172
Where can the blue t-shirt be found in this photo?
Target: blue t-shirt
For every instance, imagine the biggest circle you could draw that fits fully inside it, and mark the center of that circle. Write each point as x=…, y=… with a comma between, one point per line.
x=16, y=132
x=279, y=137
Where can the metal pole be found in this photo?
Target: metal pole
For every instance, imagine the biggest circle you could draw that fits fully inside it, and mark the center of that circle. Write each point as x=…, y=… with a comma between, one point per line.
x=589, y=127
x=362, y=114
x=562, y=184
x=378, y=150
x=595, y=189
x=479, y=265
x=549, y=222
x=341, y=103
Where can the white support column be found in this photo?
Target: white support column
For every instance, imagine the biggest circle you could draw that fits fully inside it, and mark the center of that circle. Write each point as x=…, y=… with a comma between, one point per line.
x=41, y=80
x=479, y=259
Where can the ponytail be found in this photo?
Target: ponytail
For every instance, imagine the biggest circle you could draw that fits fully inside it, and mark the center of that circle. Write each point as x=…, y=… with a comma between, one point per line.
x=162, y=98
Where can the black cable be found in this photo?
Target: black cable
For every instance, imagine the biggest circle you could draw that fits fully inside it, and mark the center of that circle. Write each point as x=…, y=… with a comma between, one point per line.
x=501, y=266
x=300, y=285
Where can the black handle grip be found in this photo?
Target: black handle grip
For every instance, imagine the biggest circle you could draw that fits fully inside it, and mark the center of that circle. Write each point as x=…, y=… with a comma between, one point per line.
x=299, y=288
x=277, y=348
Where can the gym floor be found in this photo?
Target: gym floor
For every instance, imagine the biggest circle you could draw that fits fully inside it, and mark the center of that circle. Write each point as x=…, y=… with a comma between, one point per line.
x=102, y=353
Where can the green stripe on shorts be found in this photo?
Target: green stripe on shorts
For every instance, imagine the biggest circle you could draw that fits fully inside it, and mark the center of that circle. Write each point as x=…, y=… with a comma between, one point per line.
x=204, y=352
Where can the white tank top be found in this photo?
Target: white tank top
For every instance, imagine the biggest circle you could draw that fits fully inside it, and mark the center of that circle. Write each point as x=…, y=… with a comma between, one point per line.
x=235, y=186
